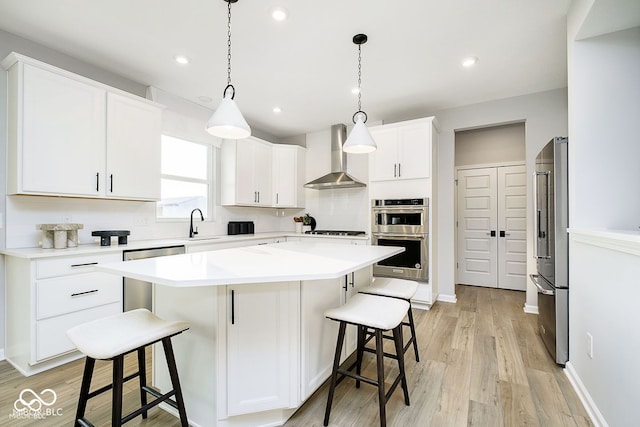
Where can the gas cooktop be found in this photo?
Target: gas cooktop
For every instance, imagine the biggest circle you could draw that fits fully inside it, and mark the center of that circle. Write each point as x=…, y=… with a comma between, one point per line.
x=337, y=232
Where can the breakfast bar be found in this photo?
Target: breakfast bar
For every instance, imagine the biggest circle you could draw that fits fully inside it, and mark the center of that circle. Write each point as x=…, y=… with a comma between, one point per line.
x=259, y=344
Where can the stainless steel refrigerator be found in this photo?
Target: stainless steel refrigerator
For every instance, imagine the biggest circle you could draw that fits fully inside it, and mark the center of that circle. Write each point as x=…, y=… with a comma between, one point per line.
x=552, y=247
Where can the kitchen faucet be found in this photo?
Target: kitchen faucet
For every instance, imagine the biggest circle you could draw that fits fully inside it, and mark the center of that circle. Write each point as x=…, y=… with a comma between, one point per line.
x=191, y=232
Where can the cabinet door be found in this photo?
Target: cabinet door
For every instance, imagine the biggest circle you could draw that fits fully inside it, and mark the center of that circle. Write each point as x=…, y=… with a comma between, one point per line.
x=284, y=176
x=414, y=148
x=319, y=334
x=133, y=149
x=63, y=135
x=383, y=165
x=262, y=340
x=262, y=178
x=246, y=193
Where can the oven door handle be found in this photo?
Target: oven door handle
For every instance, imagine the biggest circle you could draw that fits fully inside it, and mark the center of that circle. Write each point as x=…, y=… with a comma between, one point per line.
x=402, y=236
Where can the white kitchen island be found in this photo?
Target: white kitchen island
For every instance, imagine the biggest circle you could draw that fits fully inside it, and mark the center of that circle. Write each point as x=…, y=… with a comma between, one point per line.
x=259, y=344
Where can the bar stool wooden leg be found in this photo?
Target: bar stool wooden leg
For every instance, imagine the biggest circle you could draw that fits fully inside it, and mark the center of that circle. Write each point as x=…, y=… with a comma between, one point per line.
x=334, y=372
x=382, y=397
x=173, y=373
x=413, y=333
x=118, y=375
x=360, y=351
x=142, y=375
x=84, y=388
x=397, y=337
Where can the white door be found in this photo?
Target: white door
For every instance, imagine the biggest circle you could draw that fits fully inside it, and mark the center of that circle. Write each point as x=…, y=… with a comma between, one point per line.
x=492, y=227
x=512, y=227
x=477, y=223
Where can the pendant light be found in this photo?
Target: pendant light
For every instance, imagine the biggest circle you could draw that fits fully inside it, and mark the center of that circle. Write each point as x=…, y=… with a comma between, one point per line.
x=360, y=140
x=227, y=121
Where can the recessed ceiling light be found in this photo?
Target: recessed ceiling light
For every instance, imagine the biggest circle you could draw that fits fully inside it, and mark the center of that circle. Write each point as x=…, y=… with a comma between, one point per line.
x=470, y=61
x=181, y=59
x=204, y=98
x=279, y=14
x=277, y=110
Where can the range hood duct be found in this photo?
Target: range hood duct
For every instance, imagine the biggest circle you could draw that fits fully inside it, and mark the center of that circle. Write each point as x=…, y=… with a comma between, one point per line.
x=338, y=177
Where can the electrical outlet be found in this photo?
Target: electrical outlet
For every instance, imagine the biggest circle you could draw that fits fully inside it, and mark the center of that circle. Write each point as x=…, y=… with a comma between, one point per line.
x=141, y=221
x=589, y=345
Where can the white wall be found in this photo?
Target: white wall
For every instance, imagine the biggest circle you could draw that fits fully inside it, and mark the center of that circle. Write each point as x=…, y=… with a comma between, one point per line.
x=604, y=153
x=496, y=144
x=544, y=115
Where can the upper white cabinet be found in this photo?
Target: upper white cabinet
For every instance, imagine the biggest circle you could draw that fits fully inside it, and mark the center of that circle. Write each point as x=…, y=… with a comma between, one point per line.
x=288, y=176
x=404, y=150
x=71, y=136
x=258, y=173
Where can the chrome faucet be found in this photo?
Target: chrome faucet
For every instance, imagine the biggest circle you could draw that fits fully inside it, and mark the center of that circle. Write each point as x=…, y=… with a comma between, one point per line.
x=191, y=232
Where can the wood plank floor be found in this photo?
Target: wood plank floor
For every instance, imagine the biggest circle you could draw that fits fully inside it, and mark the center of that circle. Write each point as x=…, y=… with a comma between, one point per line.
x=482, y=364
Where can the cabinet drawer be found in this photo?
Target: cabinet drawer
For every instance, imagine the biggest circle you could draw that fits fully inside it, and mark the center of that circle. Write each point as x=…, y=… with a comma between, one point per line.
x=60, y=266
x=66, y=294
x=51, y=338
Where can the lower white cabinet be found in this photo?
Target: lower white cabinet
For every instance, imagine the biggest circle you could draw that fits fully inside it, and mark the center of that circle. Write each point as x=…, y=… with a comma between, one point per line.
x=45, y=297
x=262, y=340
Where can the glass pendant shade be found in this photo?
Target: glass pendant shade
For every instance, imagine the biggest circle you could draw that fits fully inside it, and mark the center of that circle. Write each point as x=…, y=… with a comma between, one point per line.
x=227, y=121
x=360, y=140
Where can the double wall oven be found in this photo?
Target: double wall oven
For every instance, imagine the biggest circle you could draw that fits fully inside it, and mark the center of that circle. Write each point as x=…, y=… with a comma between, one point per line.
x=405, y=223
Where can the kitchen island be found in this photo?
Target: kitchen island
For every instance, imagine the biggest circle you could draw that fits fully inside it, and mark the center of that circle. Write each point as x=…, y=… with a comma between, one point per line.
x=259, y=344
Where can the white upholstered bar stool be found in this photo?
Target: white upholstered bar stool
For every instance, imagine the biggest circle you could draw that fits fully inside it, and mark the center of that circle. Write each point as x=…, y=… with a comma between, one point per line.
x=380, y=314
x=113, y=337
x=397, y=288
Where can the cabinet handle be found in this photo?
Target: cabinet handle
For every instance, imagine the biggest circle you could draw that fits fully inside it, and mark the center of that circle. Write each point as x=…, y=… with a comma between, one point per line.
x=258, y=197
x=399, y=173
x=277, y=198
x=255, y=197
x=84, y=293
x=346, y=282
x=98, y=181
x=233, y=308
x=394, y=170
x=111, y=183
x=83, y=265
x=353, y=279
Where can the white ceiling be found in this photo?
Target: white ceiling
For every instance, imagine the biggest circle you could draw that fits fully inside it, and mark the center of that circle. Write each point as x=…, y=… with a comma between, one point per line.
x=307, y=65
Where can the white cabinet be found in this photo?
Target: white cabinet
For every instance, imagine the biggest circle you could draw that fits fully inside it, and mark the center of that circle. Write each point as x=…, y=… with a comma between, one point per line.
x=70, y=136
x=404, y=150
x=246, y=172
x=133, y=148
x=45, y=297
x=262, y=347
x=288, y=176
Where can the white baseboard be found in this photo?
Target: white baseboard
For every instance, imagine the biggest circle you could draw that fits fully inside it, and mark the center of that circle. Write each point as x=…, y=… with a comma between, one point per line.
x=420, y=305
x=531, y=309
x=448, y=298
x=583, y=394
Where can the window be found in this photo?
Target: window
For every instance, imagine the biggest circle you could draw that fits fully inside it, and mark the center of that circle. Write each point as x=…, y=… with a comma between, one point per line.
x=187, y=178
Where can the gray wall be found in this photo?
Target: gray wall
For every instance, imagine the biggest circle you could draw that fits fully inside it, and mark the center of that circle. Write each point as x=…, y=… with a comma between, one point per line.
x=495, y=144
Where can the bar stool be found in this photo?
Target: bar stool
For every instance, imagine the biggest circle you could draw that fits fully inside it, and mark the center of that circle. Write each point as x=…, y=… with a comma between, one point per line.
x=397, y=288
x=113, y=337
x=380, y=314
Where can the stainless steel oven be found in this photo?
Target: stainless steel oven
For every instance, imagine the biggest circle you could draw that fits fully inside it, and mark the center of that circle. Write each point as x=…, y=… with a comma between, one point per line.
x=405, y=223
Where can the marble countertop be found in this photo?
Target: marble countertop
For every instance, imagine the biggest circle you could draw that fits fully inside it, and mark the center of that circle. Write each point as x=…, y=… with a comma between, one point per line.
x=289, y=261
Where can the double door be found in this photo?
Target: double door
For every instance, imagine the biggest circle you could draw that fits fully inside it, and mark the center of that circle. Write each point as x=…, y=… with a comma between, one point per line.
x=491, y=227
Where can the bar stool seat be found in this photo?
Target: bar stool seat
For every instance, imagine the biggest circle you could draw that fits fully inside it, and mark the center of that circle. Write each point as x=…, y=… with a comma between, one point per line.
x=113, y=337
x=402, y=289
x=380, y=314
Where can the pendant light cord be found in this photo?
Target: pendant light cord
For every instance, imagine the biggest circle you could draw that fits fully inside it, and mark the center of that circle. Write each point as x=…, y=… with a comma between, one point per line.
x=359, y=77
x=229, y=44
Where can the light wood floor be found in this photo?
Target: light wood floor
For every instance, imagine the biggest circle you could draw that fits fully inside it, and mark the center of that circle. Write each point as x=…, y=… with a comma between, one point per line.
x=482, y=364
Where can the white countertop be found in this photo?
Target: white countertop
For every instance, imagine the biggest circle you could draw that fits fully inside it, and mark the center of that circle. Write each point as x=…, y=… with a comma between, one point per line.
x=95, y=248
x=290, y=261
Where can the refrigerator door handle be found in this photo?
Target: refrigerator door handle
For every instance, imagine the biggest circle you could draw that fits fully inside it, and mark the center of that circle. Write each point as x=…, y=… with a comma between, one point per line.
x=541, y=289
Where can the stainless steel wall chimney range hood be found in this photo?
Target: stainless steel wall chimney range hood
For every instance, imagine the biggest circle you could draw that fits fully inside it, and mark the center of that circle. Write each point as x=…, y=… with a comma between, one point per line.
x=338, y=177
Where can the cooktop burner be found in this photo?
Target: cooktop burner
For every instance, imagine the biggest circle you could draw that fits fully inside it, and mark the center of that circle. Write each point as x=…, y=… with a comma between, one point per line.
x=337, y=232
